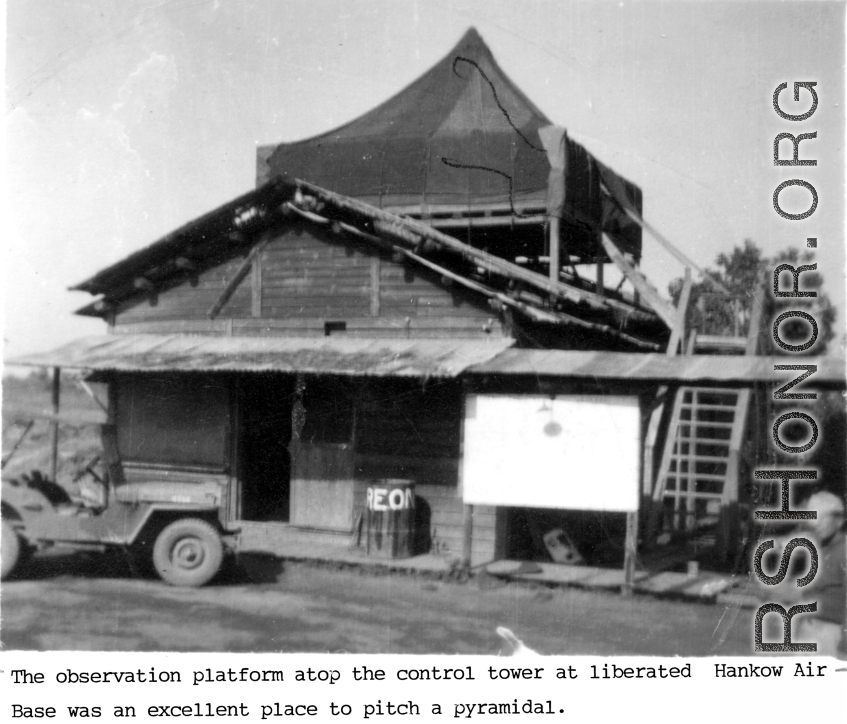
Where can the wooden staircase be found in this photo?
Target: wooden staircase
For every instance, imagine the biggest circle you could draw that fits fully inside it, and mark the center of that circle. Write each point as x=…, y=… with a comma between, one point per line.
x=695, y=495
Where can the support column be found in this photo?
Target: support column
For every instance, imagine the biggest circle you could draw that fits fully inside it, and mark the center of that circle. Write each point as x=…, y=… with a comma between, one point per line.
x=555, y=264
x=467, y=535
x=630, y=552
x=600, y=288
x=54, y=426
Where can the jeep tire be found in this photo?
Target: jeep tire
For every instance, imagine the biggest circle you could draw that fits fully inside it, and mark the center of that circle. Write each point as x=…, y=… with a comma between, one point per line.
x=188, y=552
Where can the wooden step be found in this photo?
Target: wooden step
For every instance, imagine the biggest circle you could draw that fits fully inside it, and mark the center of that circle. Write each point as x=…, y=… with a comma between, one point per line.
x=697, y=476
x=716, y=343
x=700, y=458
x=729, y=407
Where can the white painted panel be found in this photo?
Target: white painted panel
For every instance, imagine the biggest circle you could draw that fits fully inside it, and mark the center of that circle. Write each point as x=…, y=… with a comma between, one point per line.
x=575, y=452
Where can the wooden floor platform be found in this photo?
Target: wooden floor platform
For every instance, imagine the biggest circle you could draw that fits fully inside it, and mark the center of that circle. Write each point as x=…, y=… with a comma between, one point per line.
x=289, y=543
x=706, y=586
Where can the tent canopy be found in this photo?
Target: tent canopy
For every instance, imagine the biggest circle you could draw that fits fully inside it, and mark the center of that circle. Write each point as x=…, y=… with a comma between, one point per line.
x=461, y=135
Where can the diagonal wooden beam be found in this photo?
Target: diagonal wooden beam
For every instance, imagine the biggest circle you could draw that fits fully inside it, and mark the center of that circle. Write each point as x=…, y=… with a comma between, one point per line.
x=412, y=231
x=237, y=278
x=647, y=291
x=540, y=315
x=665, y=242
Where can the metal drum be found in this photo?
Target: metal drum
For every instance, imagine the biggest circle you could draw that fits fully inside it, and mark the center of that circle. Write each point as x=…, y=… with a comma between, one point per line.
x=390, y=518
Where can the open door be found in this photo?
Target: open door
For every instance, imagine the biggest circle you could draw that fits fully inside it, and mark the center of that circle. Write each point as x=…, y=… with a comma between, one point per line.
x=322, y=455
x=264, y=463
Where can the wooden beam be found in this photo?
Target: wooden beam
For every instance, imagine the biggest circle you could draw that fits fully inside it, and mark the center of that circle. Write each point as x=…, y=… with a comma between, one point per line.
x=540, y=315
x=54, y=426
x=467, y=534
x=754, y=329
x=554, y=248
x=88, y=391
x=237, y=278
x=375, y=286
x=411, y=231
x=630, y=553
x=398, y=254
x=678, y=329
x=256, y=287
x=665, y=242
x=648, y=292
x=143, y=284
x=18, y=443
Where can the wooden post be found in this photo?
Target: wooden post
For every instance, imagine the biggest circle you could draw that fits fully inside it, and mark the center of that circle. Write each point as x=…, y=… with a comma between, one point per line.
x=467, y=534
x=678, y=330
x=555, y=264
x=630, y=551
x=256, y=287
x=375, y=274
x=54, y=426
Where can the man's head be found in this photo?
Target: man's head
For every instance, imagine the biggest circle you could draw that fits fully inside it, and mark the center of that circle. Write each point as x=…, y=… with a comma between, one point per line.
x=830, y=510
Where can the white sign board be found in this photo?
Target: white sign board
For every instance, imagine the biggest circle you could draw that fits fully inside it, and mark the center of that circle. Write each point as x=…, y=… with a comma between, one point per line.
x=575, y=452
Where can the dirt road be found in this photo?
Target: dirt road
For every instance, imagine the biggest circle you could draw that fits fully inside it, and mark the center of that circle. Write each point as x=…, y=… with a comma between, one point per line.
x=87, y=603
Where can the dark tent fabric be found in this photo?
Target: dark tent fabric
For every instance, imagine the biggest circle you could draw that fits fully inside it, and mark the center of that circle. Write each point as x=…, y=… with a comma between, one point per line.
x=461, y=135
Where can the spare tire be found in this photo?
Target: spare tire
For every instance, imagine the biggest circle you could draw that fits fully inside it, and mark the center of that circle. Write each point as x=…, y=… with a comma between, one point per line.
x=10, y=550
x=188, y=552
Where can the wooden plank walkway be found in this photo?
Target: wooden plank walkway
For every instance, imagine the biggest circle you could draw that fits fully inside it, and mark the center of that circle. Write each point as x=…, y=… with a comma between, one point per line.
x=289, y=543
x=704, y=586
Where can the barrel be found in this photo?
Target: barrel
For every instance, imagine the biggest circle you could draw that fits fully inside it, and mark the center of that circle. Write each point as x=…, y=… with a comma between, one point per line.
x=390, y=518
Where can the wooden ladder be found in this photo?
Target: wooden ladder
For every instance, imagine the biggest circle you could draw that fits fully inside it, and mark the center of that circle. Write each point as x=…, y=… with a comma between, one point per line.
x=695, y=493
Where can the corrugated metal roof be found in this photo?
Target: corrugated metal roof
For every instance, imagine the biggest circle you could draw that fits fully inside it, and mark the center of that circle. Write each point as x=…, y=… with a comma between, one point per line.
x=659, y=367
x=412, y=358
x=327, y=355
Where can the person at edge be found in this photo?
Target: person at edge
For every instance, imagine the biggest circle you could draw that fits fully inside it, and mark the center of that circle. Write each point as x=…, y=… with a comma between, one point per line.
x=826, y=626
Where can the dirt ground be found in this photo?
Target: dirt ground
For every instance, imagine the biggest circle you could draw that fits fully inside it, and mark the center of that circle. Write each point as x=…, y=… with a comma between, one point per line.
x=93, y=603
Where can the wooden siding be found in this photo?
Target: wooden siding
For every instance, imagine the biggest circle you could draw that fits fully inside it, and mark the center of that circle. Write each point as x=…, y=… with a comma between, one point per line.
x=304, y=278
x=407, y=431
x=192, y=300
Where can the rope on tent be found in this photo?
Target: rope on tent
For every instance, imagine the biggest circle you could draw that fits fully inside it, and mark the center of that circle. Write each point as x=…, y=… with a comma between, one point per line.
x=496, y=100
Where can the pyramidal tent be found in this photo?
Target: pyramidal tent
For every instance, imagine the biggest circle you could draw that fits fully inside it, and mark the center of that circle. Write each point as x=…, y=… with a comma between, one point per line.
x=463, y=135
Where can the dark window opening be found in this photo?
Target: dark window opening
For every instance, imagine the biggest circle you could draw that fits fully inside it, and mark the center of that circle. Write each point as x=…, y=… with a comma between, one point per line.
x=330, y=327
x=173, y=419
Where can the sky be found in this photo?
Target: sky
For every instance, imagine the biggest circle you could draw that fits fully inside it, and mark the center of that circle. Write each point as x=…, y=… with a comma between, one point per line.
x=125, y=119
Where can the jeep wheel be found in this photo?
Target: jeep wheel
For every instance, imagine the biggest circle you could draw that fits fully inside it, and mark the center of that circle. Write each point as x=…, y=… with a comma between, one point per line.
x=188, y=552
x=10, y=552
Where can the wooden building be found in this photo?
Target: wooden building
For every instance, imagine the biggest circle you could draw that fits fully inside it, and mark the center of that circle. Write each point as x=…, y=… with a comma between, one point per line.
x=330, y=327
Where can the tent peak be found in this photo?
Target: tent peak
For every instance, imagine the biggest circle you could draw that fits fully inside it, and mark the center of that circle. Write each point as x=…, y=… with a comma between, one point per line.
x=471, y=36
x=472, y=44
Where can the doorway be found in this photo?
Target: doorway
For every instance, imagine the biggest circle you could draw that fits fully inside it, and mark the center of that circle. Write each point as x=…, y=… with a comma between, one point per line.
x=264, y=405
x=323, y=454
